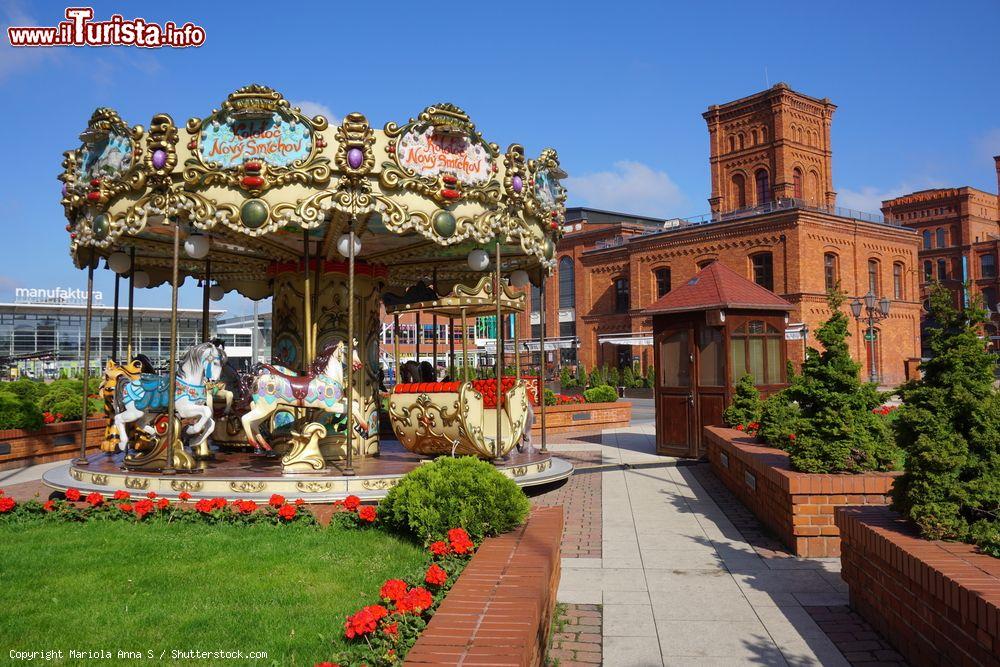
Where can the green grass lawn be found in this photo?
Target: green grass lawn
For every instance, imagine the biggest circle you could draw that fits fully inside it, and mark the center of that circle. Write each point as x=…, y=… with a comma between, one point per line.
x=284, y=590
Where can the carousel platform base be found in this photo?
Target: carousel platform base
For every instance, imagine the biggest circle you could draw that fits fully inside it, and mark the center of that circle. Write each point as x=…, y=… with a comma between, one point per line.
x=242, y=476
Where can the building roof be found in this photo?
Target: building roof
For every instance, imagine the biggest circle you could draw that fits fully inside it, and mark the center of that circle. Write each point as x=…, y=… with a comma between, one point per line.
x=717, y=286
x=599, y=216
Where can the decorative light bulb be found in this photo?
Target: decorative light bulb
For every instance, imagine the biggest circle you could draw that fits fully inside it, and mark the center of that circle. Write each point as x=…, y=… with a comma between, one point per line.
x=197, y=246
x=140, y=279
x=478, y=259
x=344, y=245
x=119, y=262
x=519, y=278
x=216, y=292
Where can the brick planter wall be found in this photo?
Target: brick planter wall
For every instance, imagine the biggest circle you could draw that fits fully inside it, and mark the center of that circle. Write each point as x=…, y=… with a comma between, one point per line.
x=798, y=507
x=500, y=609
x=562, y=418
x=52, y=442
x=937, y=603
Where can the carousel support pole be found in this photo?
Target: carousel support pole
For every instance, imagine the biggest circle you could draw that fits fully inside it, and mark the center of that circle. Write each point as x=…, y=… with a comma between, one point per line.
x=416, y=343
x=395, y=348
x=349, y=470
x=541, y=348
x=451, y=349
x=172, y=369
x=434, y=326
x=497, y=290
x=307, y=351
x=204, y=300
x=465, y=345
x=131, y=302
x=517, y=351
x=82, y=459
x=114, y=322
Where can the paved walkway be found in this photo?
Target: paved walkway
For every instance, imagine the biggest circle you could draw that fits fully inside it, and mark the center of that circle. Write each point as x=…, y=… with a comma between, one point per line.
x=679, y=584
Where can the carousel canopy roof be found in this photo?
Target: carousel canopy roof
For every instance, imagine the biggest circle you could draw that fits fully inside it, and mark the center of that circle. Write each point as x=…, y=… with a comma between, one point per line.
x=262, y=180
x=473, y=301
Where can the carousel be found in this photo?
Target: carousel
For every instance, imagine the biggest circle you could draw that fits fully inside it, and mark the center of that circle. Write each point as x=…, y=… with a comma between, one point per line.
x=336, y=225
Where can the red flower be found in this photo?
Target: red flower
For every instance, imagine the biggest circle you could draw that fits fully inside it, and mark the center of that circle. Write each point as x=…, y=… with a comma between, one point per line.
x=125, y=507
x=739, y=427
x=352, y=502
x=95, y=499
x=287, y=512
x=48, y=417
x=49, y=505
x=367, y=514
x=72, y=494
x=122, y=495
x=415, y=601
x=151, y=495
x=204, y=506
x=440, y=548
x=245, y=506
x=143, y=507
x=276, y=500
x=460, y=542
x=300, y=502
x=435, y=575
x=162, y=504
x=218, y=503
x=184, y=496
x=791, y=436
x=6, y=504
x=326, y=664
x=393, y=590
x=365, y=621
x=391, y=629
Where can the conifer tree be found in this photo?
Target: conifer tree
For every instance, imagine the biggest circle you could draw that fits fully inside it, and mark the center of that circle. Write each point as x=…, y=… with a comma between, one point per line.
x=746, y=406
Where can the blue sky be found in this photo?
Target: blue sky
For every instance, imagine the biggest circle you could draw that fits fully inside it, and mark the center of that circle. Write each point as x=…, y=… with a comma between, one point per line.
x=618, y=88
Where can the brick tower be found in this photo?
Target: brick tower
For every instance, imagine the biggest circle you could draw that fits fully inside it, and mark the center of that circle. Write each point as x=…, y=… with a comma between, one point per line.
x=771, y=145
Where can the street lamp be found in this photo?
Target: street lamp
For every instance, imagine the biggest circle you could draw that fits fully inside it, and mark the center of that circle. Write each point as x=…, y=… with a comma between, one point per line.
x=874, y=311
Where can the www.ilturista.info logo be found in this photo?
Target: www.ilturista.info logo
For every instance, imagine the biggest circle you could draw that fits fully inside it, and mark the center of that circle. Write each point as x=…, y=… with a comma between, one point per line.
x=80, y=30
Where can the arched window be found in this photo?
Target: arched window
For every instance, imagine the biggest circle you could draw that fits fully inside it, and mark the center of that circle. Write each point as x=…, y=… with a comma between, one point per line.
x=662, y=281
x=897, y=281
x=755, y=348
x=763, y=269
x=928, y=240
x=567, y=284
x=621, y=295
x=536, y=299
x=732, y=143
x=814, y=193
x=763, y=187
x=739, y=191
x=741, y=140
x=705, y=262
x=830, y=273
x=942, y=237
x=753, y=137
x=928, y=270
x=942, y=269
x=797, y=183
x=873, y=281
x=763, y=133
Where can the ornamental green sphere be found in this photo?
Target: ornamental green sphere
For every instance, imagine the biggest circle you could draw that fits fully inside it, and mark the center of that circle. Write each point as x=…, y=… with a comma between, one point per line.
x=549, y=249
x=253, y=213
x=444, y=223
x=100, y=226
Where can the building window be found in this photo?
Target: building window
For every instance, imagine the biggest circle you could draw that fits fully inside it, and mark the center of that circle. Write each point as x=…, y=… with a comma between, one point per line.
x=753, y=137
x=928, y=240
x=662, y=281
x=732, y=143
x=763, y=270
x=763, y=187
x=621, y=295
x=988, y=266
x=755, y=348
x=797, y=183
x=990, y=299
x=942, y=269
x=536, y=299
x=928, y=271
x=741, y=140
x=830, y=276
x=739, y=190
x=763, y=133
x=897, y=281
x=705, y=262
x=942, y=238
x=567, y=284
x=873, y=285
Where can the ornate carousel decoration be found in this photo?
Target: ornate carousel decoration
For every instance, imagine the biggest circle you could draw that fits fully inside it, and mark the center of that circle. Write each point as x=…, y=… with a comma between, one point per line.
x=335, y=226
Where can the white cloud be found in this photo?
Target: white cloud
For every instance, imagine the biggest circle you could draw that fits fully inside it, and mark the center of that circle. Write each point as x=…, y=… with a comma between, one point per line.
x=869, y=198
x=631, y=187
x=310, y=108
x=14, y=60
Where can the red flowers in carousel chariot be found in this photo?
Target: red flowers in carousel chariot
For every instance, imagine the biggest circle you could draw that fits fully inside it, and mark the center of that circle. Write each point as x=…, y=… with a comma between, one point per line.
x=365, y=621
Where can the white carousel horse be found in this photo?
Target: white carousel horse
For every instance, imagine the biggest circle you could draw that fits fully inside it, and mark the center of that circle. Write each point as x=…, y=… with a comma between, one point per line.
x=322, y=387
x=149, y=395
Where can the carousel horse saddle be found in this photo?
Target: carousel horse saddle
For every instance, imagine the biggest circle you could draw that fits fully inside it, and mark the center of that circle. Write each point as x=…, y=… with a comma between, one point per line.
x=149, y=392
x=299, y=383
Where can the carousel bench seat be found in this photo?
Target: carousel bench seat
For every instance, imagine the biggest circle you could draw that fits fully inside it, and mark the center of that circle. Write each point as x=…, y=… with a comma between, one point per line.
x=426, y=387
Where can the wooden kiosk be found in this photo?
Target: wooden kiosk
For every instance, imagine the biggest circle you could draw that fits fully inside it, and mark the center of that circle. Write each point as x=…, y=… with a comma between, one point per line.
x=706, y=334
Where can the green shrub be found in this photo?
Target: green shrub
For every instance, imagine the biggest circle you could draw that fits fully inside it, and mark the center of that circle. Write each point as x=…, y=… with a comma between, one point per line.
x=455, y=492
x=779, y=418
x=59, y=394
x=614, y=380
x=71, y=408
x=597, y=377
x=16, y=412
x=746, y=406
x=550, y=397
x=628, y=378
x=566, y=379
x=602, y=394
x=837, y=431
x=581, y=376
x=949, y=427
x=25, y=389
x=650, y=379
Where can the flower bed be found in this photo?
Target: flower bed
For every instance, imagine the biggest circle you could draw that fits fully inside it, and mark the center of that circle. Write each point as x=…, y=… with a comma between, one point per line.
x=798, y=507
x=938, y=603
x=588, y=416
x=52, y=442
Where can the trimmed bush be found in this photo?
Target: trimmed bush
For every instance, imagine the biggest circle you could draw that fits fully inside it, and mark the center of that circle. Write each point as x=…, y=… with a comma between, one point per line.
x=597, y=377
x=628, y=378
x=566, y=379
x=602, y=394
x=779, y=419
x=746, y=406
x=550, y=397
x=59, y=394
x=614, y=380
x=650, y=379
x=949, y=427
x=581, y=376
x=452, y=492
x=16, y=412
x=25, y=389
